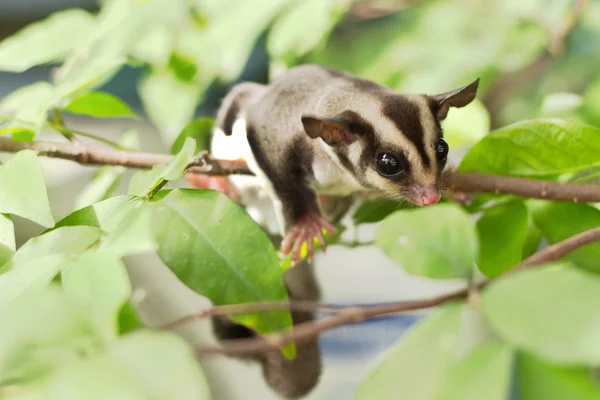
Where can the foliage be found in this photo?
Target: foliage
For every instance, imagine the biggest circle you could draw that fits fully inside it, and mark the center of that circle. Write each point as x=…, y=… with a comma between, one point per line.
x=69, y=329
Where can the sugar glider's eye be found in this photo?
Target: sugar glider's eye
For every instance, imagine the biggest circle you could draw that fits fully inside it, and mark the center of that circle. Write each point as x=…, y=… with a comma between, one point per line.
x=442, y=150
x=390, y=164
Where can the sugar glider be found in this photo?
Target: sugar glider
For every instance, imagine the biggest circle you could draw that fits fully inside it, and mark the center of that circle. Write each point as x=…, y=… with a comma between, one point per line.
x=316, y=131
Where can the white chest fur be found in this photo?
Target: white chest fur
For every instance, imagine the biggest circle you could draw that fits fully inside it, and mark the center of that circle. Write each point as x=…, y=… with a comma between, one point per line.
x=331, y=178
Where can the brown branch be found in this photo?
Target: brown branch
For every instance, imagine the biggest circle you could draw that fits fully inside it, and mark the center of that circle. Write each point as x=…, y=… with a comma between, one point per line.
x=351, y=315
x=533, y=188
x=101, y=156
x=459, y=182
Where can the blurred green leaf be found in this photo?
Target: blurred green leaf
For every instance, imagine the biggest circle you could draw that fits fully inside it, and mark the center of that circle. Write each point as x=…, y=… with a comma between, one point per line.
x=560, y=220
x=145, y=182
x=303, y=26
x=535, y=148
x=372, y=211
x=437, y=242
x=550, y=312
x=560, y=104
x=46, y=41
x=29, y=105
x=591, y=101
x=72, y=241
x=240, y=32
x=35, y=264
x=482, y=374
x=216, y=249
x=426, y=350
x=155, y=46
x=84, y=77
x=24, y=190
x=55, y=332
x=169, y=102
x=126, y=219
x=7, y=239
x=539, y=380
x=184, y=68
x=99, y=104
x=502, y=230
x=142, y=365
x=107, y=178
x=200, y=130
x=465, y=126
x=128, y=319
x=533, y=237
x=99, y=282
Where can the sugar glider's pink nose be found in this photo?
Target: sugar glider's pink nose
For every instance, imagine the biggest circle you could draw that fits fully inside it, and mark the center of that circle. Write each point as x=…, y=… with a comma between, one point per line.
x=429, y=196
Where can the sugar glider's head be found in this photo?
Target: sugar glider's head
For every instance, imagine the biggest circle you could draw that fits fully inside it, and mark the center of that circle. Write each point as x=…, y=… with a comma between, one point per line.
x=392, y=142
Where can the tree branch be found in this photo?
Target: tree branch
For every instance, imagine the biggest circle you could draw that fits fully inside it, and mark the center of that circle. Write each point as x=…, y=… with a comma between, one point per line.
x=354, y=314
x=130, y=159
x=460, y=182
x=533, y=188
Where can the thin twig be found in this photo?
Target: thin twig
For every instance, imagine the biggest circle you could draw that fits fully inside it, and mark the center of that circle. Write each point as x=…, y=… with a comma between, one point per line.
x=460, y=182
x=351, y=315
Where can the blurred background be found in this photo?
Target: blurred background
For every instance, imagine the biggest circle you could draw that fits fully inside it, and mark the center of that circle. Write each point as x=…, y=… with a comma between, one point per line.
x=535, y=58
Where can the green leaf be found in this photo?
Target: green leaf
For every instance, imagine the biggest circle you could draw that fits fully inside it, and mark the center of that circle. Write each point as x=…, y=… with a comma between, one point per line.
x=126, y=219
x=502, y=230
x=303, y=27
x=23, y=189
x=550, y=312
x=99, y=282
x=147, y=181
x=46, y=41
x=184, y=68
x=533, y=238
x=560, y=220
x=483, y=374
x=128, y=319
x=39, y=260
x=29, y=105
x=143, y=182
x=169, y=103
x=105, y=182
x=7, y=239
x=99, y=104
x=200, y=130
x=426, y=350
x=559, y=104
x=67, y=240
x=215, y=248
x=55, y=332
x=535, y=148
x=88, y=75
x=143, y=365
x=372, y=211
x=466, y=125
x=240, y=41
x=29, y=276
x=541, y=381
x=161, y=365
x=437, y=241
x=108, y=178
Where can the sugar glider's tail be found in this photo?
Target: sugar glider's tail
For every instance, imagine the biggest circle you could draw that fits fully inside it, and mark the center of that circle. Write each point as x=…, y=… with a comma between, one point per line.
x=234, y=104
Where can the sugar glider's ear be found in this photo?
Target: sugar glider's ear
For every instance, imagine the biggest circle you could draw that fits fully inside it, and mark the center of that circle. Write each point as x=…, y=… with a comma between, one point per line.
x=334, y=131
x=455, y=98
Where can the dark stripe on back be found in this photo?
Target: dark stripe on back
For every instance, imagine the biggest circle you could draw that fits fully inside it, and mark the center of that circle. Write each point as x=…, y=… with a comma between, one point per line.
x=406, y=116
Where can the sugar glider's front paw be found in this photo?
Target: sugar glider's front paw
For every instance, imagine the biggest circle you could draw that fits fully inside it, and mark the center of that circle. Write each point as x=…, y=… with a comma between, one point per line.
x=305, y=229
